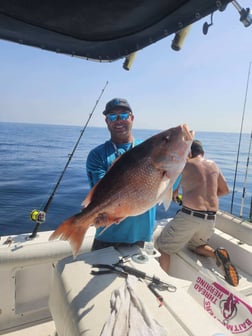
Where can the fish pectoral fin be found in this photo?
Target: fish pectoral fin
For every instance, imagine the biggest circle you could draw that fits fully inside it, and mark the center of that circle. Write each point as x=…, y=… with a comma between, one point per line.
x=105, y=219
x=165, y=191
x=166, y=199
x=166, y=176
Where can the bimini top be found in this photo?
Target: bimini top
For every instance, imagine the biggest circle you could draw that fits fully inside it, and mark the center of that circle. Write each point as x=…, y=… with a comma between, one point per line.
x=95, y=29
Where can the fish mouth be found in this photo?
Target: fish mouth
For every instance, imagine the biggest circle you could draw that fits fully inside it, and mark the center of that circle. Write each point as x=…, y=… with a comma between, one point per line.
x=187, y=134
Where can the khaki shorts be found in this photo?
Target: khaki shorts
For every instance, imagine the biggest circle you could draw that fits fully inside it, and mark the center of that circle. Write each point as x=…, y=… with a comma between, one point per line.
x=182, y=230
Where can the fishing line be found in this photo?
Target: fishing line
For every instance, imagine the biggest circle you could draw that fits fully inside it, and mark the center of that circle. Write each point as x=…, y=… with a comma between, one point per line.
x=239, y=145
x=39, y=216
x=245, y=177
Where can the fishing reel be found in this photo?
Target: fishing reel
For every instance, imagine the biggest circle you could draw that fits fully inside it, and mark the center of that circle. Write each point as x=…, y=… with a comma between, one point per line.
x=179, y=200
x=38, y=216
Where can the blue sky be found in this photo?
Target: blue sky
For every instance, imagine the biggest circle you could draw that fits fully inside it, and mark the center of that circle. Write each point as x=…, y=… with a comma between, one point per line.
x=203, y=85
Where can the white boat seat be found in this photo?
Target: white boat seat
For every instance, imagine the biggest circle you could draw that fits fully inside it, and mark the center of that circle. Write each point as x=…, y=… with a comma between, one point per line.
x=185, y=264
x=80, y=302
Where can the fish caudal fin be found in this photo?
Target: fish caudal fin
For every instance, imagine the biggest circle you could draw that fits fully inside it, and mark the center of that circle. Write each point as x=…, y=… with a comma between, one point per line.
x=73, y=231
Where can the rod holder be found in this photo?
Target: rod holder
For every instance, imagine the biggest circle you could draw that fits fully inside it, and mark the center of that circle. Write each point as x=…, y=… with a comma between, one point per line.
x=129, y=59
x=179, y=38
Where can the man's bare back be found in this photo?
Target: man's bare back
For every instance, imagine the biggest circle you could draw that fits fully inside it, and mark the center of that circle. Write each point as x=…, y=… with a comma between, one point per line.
x=202, y=182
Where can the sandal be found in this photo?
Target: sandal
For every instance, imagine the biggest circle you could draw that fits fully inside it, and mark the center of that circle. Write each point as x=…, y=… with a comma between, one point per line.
x=222, y=259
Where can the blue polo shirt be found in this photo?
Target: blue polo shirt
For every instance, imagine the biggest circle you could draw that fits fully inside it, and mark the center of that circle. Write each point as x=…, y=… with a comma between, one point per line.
x=131, y=229
x=177, y=182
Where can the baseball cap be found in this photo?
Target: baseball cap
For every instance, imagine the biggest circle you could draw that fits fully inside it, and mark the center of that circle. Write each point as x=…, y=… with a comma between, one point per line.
x=116, y=102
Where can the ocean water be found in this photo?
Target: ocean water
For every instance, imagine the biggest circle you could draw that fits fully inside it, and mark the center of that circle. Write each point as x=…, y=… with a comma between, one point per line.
x=33, y=158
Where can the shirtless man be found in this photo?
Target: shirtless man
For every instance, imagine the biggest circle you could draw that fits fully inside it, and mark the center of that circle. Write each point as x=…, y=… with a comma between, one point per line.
x=202, y=183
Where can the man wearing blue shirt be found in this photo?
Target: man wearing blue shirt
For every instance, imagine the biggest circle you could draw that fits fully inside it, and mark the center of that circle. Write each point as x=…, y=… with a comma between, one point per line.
x=133, y=230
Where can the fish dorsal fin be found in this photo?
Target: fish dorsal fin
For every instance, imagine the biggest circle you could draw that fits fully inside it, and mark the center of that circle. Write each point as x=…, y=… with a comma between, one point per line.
x=116, y=159
x=89, y=196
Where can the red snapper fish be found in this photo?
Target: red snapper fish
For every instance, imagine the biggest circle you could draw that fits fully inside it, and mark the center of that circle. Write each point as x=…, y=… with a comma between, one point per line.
x=139, y=179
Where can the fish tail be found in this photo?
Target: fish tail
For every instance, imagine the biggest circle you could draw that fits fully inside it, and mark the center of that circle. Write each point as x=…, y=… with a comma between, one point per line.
x=73, y=231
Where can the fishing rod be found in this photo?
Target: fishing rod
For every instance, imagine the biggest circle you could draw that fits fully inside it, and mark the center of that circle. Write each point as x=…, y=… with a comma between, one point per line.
x=245, y=177
x=239, y=145
x=250, y=212
x=38, y=216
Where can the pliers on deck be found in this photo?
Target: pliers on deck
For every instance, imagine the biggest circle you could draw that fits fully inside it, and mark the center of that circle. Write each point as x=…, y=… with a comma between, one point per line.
x=123, y=270
x=108, y=269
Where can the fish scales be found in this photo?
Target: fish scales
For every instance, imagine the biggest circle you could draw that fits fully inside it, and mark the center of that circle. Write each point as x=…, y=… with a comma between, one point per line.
x=139, y=179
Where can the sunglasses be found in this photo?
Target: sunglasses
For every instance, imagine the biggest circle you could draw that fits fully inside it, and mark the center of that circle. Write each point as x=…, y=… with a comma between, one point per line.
x=121, y=116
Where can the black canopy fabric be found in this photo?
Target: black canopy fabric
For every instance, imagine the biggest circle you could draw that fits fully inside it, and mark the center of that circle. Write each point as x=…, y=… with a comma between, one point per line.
x=103, y=30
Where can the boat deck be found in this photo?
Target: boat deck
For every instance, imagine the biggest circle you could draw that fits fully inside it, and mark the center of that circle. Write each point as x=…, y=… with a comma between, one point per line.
x=41, y=329
x=26, y=269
